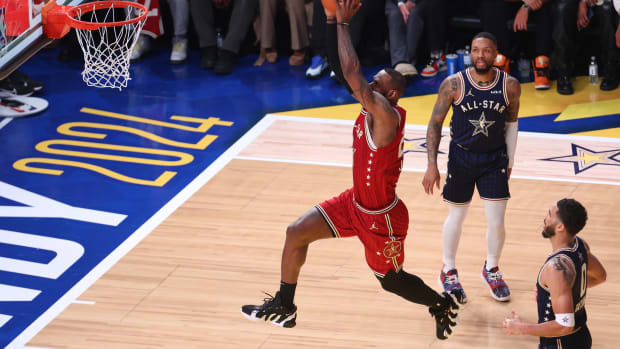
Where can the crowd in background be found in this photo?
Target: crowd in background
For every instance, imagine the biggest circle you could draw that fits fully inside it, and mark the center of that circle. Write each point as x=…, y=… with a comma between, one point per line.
x=539, y=39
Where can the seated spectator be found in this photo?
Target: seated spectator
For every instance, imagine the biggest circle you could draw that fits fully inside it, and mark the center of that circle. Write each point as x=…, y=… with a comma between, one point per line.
x=180, y=20
x=153, y=28
x=541, y=12
x=299, y=31
x=365, y=23
x=319, y=65
x=574, y=15
x=243, y=12
x=406, y=21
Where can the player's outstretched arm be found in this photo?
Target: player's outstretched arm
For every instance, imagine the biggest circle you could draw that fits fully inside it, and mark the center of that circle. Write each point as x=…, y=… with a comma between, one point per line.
x=513, y=90
x=384, y=115
x=596, y=273
x=559, y=276
x=445, y=97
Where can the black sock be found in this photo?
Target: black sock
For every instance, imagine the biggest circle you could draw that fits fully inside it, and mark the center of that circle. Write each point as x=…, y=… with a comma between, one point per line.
x=410, y=287
x=287, y=294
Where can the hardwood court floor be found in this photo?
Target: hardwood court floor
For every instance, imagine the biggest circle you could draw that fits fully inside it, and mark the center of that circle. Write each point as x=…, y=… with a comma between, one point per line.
x=182, y=287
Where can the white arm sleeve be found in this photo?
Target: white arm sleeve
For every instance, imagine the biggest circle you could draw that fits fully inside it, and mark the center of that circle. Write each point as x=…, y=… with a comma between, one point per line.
x=617, y=5
x=512, y=130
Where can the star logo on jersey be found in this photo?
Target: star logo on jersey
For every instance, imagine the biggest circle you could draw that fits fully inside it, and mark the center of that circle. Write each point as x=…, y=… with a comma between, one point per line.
x=583, y=158
x=416, y=145
x=481, y=125
x=469, y=93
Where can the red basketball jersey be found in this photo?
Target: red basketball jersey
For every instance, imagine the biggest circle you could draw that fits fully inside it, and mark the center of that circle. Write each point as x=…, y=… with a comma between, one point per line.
x=376, y=171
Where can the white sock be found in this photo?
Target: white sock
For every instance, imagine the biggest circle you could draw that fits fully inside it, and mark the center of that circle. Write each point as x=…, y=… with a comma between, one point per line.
x=451, y=234
x=496, y=232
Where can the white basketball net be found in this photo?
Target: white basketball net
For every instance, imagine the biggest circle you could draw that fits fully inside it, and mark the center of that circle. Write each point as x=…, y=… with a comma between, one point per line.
x=107, y=50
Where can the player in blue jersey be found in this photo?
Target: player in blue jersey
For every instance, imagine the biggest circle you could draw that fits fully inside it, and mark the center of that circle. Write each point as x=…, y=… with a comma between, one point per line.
x=485, y=104
x=562, y=282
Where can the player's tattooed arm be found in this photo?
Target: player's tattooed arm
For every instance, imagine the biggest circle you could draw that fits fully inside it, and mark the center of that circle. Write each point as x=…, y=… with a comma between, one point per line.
x=447, y=92
x=513, y=89
x=563, y=264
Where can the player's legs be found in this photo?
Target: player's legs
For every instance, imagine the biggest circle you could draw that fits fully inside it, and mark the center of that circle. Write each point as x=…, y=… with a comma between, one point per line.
x=495, y=212
x=329, y=219
x=383, y=235
x=451, y=234
x=493, y=188
x=306, y=229
x=457, y=191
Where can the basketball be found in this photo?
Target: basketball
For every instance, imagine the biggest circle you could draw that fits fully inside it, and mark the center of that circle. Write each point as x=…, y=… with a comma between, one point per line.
x=330, y=5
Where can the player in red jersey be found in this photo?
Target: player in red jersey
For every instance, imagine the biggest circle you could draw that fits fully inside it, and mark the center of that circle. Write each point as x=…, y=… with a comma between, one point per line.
x=370, y=210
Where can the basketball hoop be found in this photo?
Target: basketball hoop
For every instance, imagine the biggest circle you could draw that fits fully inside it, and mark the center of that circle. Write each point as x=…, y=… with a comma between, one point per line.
x=107, y=32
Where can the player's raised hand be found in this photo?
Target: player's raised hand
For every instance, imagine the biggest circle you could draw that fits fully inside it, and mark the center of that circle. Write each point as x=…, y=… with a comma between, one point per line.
x=347, y=9
x=431, y=179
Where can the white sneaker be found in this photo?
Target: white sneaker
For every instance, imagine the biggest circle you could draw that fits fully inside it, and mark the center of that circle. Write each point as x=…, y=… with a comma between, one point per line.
x=143, y=45
x=406, y=69
x=317, y=68
x=179, y=50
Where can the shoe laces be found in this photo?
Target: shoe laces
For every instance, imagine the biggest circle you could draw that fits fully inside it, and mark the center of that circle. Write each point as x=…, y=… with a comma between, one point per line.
x=451, y=279
x=496, y=276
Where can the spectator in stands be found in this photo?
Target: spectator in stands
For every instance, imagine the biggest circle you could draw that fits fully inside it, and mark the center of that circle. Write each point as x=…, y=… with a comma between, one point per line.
x=152, y=29
x=243, y=12
x=366, y=22
x=299, y=30
x=319, y=65
x=406, y=21
x=574, y=15
x=541, y=11
x=180, y=20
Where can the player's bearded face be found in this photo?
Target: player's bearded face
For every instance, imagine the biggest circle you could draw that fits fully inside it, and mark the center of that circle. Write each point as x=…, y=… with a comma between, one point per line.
x=548, y=231
x=483, y=53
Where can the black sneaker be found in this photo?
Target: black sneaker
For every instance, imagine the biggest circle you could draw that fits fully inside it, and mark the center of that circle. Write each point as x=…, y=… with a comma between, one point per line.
x=445, y=314
x=564, y=85
x=611, y=79
x=225, y=62
x=272, y=310
x=208, y=57
x=35, y=85
x=16, y=86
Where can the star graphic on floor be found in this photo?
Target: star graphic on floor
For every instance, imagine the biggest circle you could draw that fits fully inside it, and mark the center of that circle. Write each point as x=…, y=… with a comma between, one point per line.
x=584, y=158
x=481, y=125
x=416, y=145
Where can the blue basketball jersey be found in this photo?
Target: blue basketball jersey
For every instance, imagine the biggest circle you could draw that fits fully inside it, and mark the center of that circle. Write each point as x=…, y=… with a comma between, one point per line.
x=479, y=114
x=579, y=255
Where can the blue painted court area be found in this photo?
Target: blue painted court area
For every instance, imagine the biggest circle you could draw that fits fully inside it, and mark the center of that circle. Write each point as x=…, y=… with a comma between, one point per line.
x=100, y=169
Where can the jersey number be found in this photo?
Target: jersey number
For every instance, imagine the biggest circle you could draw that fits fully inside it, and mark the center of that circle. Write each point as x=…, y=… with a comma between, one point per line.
x=584, y=280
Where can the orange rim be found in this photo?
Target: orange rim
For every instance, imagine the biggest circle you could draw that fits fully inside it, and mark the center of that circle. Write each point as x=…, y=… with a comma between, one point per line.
x=100, y=5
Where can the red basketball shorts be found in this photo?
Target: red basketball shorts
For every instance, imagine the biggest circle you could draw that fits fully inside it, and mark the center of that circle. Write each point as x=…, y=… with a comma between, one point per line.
x=382, y=232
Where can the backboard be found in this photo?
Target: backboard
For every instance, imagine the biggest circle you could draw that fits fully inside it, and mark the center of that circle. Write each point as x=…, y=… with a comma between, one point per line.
x=21, y=32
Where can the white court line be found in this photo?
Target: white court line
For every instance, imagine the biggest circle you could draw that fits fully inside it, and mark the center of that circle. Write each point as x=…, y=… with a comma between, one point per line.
x=84, y=302
x=138, y=235
x=5, y=121
x=273, y=117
